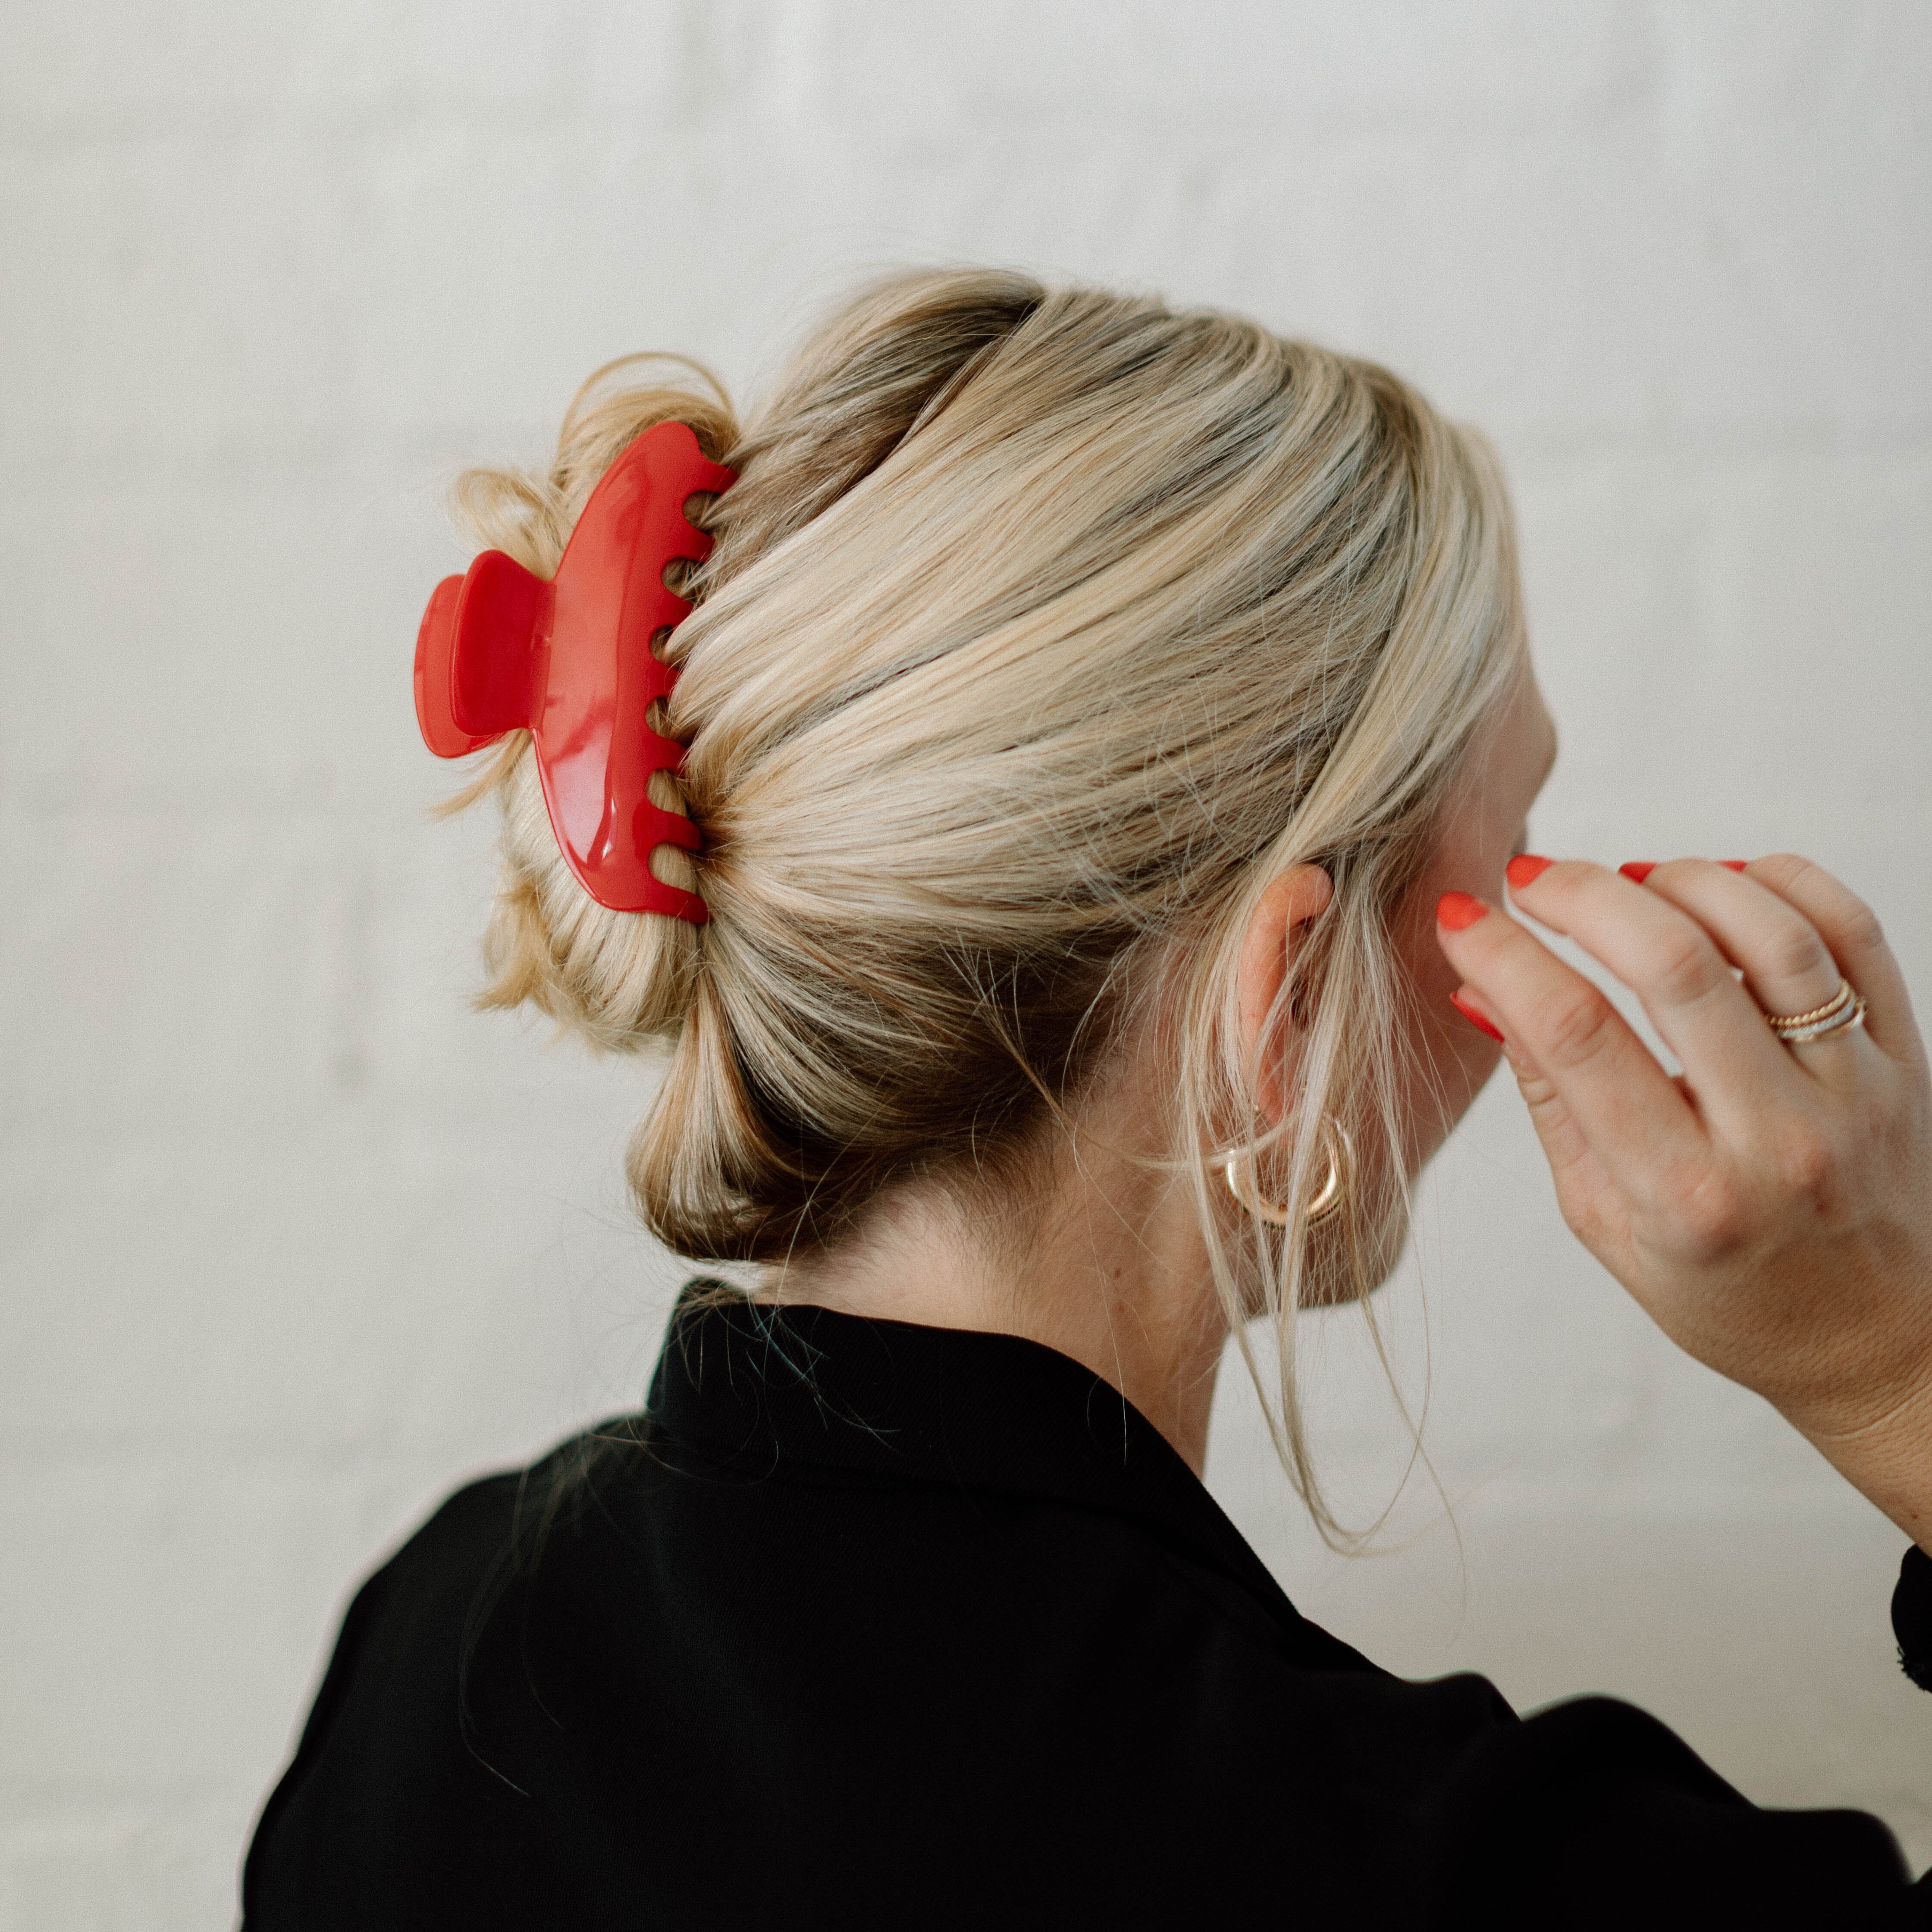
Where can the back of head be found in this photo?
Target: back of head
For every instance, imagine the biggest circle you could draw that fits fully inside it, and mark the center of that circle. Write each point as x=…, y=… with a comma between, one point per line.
x=1043, y=627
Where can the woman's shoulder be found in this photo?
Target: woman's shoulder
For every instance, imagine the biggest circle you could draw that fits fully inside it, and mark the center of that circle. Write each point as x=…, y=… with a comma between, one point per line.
x=486, y=1536
x=401, y=1754
x=502, y=1520
x=570, y=1689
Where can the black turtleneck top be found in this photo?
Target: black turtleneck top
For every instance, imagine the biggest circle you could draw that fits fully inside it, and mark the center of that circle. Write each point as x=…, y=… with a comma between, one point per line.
x=860, y=1623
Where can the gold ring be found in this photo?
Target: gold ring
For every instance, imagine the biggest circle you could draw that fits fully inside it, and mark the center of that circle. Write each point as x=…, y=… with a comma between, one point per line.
x=1845, y=1008
x=1842, y=997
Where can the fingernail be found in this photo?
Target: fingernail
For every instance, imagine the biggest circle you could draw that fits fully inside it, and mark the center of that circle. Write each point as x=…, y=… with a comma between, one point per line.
x=1457, y=911
x=1525, y=868
x=1638, y=870
x=1467, y=1008
x=1734, y=865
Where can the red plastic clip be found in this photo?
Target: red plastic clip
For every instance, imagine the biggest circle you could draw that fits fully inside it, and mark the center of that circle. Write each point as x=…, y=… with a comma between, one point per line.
x=573, y=660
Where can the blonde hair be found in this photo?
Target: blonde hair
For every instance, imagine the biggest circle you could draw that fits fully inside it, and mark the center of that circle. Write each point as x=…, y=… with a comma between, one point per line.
x=1044, y=627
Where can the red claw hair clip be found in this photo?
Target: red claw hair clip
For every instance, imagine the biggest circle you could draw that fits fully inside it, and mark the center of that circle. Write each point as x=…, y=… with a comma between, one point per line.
x=573, y=661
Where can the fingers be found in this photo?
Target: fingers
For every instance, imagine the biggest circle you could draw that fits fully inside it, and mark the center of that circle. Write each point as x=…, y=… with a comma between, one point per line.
x=1738, y=1067
x=1795, y=931
x=1609, y=1085
x=1584, y=1190
x=1787, y=967
x=1850, y=929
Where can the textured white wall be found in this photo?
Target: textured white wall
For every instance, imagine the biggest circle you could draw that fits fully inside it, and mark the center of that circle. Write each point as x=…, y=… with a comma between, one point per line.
x=292, y=1241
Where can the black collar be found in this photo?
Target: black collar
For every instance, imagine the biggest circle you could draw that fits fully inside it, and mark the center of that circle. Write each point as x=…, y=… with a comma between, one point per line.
x=773, y=1391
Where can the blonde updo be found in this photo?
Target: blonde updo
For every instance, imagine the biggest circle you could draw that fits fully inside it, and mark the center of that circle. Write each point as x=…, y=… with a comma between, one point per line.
x=1044, y=627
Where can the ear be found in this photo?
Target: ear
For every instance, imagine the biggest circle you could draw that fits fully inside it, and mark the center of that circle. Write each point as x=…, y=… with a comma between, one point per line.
x=1292, y=903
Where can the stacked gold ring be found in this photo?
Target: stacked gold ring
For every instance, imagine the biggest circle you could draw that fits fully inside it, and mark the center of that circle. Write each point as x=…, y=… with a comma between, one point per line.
x=1845, y=1008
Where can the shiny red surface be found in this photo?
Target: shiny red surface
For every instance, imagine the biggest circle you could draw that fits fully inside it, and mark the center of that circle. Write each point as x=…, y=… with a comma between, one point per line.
x=572, y=661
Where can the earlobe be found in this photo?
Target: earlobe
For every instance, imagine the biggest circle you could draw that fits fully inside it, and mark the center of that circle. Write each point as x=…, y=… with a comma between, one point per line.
x=1290, y=905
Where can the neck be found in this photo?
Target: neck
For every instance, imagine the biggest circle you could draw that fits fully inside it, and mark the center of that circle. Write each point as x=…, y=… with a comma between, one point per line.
x=1114, y=1274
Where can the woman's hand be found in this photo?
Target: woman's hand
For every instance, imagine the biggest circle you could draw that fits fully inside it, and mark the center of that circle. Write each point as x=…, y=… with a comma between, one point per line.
x=1771, y=1207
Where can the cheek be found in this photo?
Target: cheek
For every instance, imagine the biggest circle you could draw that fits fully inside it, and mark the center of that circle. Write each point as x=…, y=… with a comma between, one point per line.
x=1430, y=972
x=1452, y=1059
x=1422, y=960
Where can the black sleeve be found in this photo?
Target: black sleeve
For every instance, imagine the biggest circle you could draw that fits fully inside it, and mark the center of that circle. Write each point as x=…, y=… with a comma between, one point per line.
x=1912, y=1616
x=1592, y=1814
x=391, y=1813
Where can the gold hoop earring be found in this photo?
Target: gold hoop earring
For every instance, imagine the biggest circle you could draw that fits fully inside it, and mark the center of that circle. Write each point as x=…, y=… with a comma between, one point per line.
x=1326, y=1202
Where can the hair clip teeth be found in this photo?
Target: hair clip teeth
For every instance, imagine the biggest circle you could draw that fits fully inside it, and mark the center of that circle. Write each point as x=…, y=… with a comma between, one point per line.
x=576, y=662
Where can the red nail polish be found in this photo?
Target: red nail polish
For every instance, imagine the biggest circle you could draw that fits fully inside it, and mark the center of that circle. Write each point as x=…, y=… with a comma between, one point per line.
x=1458, y=910
x=1525, y=868
x=1467, y=1008
x=1733, y=864
x=1638, y=870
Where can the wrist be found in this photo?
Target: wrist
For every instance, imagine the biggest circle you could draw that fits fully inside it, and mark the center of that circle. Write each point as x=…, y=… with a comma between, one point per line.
x=1887, y=1458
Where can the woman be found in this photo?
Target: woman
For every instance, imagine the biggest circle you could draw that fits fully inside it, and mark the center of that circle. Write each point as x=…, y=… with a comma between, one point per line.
x=1073, y=923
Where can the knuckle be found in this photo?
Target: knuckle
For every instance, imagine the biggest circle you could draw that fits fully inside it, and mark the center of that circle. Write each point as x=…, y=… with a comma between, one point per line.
x=1790, y=873
x=1712, y=1213
x=1796, y=952
x=1805, y=1161
x=1687, y=969
x=1576, y=1027
x=1862, y=931
x=1783, y=870
x=1535, y=1087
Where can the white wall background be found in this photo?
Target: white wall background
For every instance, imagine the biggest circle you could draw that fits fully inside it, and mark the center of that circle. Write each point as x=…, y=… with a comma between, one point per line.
x=292, y=1241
